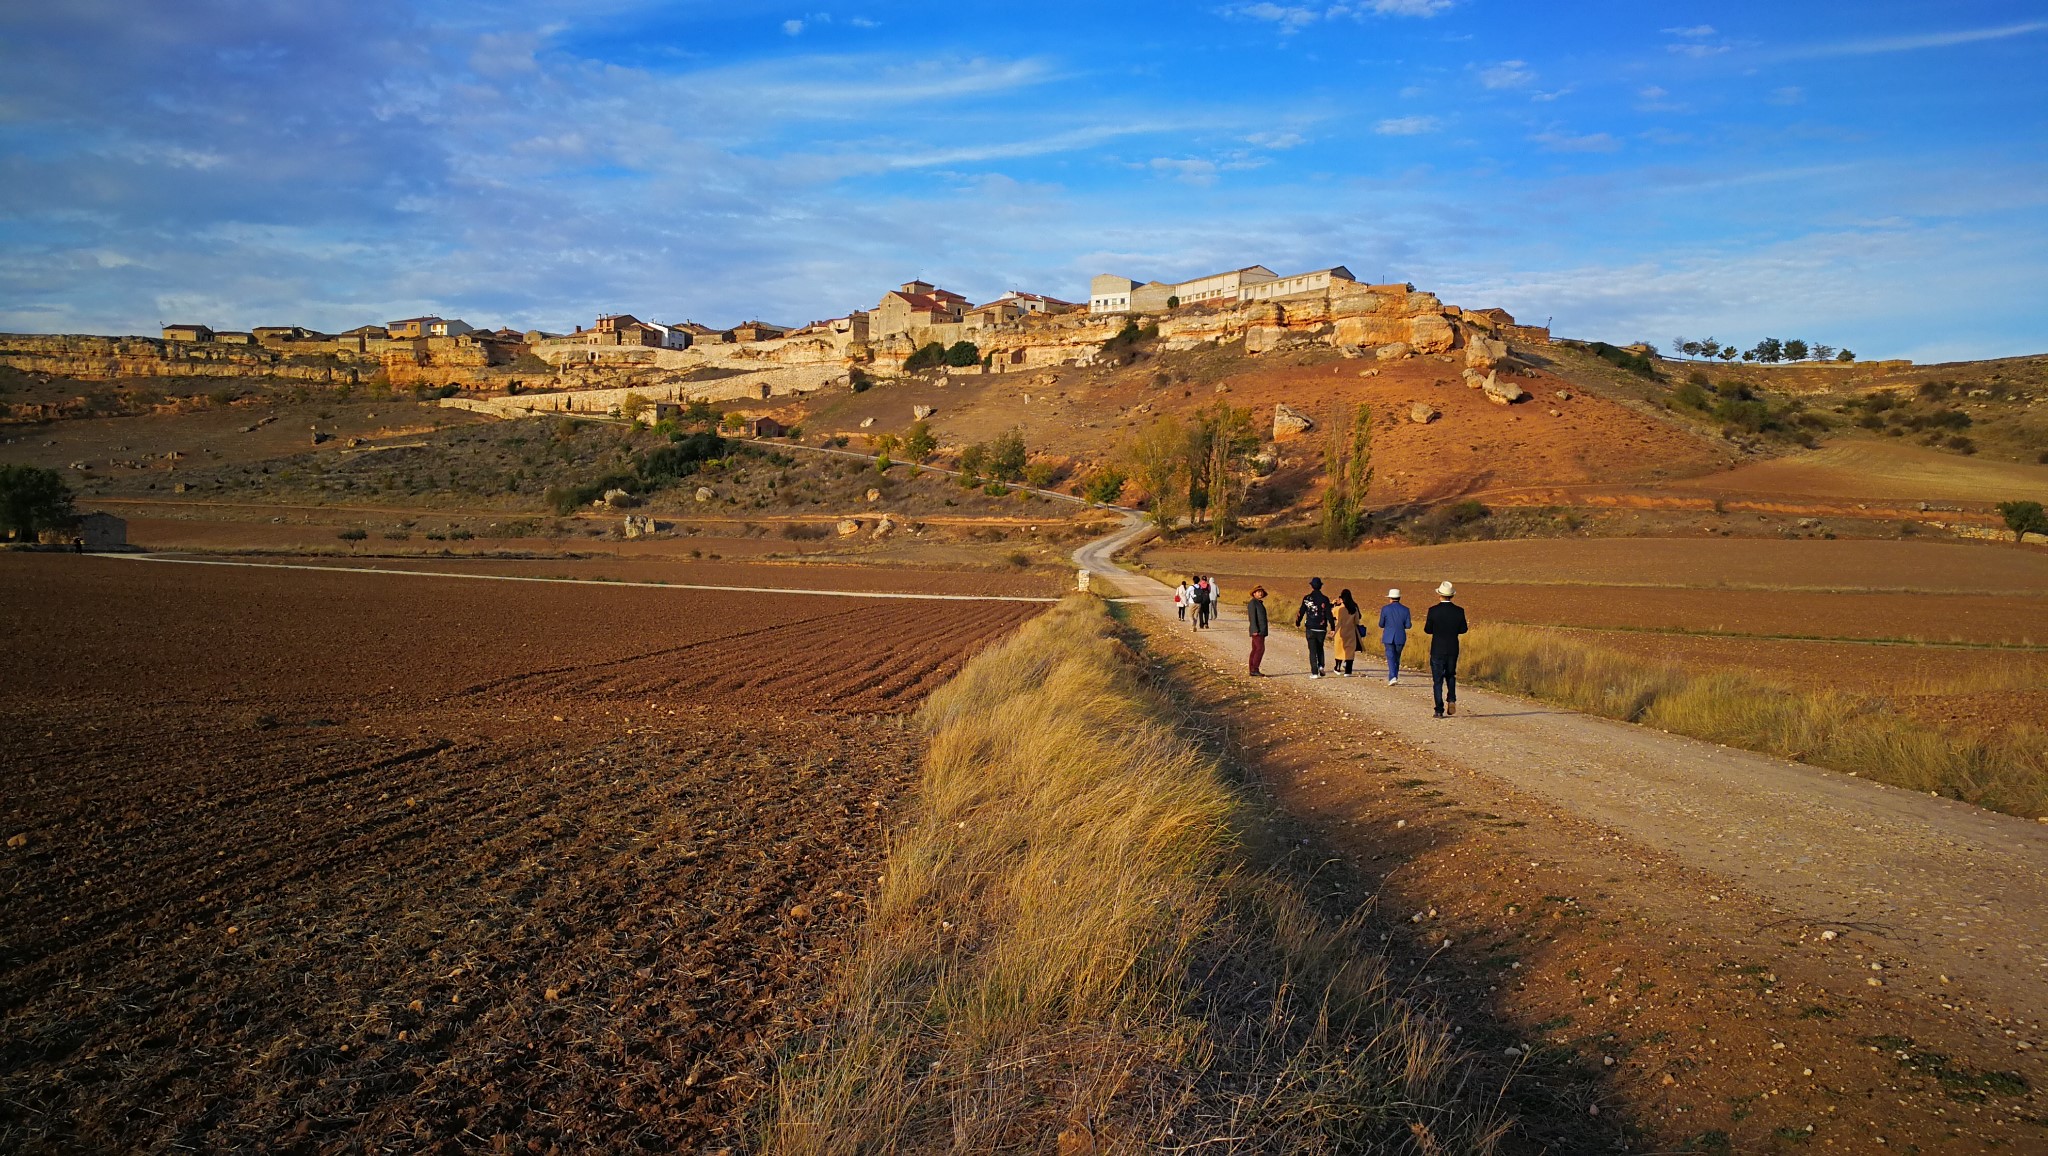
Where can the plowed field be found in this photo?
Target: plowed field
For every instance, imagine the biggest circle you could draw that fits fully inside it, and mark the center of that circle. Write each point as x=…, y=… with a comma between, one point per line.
x=326, y=862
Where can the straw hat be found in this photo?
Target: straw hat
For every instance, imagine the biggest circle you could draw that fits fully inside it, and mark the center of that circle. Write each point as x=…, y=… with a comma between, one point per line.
x=1394, y=594
x=1447, y=590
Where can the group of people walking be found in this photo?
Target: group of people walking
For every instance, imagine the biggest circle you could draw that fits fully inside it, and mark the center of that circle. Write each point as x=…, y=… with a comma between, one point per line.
x=1335, y=631
x=1195, y=600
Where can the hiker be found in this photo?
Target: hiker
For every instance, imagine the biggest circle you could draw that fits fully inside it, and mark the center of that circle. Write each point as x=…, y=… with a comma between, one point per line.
x=1202, y=602
x=1444, y=623
x=1346, y=634
x=1215, y=599
x=1255, y=618
x=1314, y=619
x=1180, y=598
x=1394, y=623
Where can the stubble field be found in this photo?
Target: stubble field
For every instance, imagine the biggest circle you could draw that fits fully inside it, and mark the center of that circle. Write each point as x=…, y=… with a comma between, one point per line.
x=330, y=862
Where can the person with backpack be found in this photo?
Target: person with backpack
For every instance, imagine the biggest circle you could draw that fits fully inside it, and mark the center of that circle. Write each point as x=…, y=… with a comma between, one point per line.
x=1201, y=602
x=1255, y=618
x=1345, y=634
x=1444, y=623
x=1313, y=617
x=1394, y=624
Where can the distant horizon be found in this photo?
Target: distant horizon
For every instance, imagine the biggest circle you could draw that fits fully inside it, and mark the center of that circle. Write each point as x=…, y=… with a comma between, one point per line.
x=1868, y=177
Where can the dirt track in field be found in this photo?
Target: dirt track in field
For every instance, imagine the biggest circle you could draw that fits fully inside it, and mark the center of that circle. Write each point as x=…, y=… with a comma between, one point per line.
x=323, y=862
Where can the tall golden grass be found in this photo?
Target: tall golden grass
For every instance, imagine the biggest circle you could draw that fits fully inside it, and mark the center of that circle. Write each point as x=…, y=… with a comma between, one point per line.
x=1841, y=730
x=1071, y=951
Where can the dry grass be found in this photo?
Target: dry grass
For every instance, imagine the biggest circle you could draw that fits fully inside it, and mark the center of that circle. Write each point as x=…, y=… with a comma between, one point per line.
x=1070, y=951
x=1843, y=731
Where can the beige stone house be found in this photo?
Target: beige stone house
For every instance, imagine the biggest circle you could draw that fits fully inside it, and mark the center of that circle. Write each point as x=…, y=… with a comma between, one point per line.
x=187, y=333
x=1319, y=281
x=915, y=305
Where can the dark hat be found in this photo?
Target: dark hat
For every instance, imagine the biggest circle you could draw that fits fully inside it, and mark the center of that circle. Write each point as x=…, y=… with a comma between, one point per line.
x=1316, y=582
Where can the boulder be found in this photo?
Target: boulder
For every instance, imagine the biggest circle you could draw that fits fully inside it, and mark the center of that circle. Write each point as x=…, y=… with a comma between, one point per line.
x=619, y=499
x=874, y=495
x=1393, y=351
x=1474, y=379
x=638, y=526
x=1485, y=352
x=704, y=493
x=921, y=412
x=885, y=527
x=1564, y=395
x=1289, y=422
x=1368, y=373
x=1503, y=392
x=1421, y=413
x=848, y=526
x=866, y=422
x=1430, y=333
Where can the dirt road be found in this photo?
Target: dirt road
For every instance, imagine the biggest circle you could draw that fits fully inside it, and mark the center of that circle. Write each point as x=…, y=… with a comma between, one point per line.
x=1947, y=899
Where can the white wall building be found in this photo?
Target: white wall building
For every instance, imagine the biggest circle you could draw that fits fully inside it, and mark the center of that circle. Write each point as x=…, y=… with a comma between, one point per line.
x=1316, y=282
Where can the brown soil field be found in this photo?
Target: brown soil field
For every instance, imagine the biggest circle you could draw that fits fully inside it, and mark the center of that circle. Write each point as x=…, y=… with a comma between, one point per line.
x=793, y=575
x=322, y=862
x=1877, y=470
x=1689, y=563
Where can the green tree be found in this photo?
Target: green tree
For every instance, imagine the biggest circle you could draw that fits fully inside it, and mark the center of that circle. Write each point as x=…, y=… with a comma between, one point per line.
x=1823, y=353
x=919, y=443
x=2024, y=518
x=633, y=406
x=1007, y=455
x=1347, y=463
x=1157, y=457
x=963, y=354
x=1770, y=351
x=1233, y=437
x=32, y=499
x=1795, y=350
x=974, y=460
x=1846, y=355
x=1104, y=486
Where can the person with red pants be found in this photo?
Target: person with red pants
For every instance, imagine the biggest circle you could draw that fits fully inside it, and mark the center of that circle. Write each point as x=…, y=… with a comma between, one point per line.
x=1255, y=614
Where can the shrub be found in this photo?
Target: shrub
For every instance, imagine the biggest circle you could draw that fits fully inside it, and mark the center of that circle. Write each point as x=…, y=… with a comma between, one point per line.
x=2023, y=518
x=1624, y=359
x=1691, y=395
x=397, y=535
x=995, y=489
x=353, y=535
x=1040, y=474
x=1752, y=416
x=930, y=355
x=804, y=531
x=963, y=354
x=859, y=379
x=1007, y=456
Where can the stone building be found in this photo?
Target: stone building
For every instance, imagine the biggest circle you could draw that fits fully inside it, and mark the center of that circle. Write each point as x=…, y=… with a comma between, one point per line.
x=429, y=326
x=747, y=331
x=1319, y=281
x=187, y=333
x=915, y=305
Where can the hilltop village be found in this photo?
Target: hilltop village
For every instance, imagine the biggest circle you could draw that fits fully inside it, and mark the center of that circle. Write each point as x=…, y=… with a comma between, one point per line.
x=917, y=325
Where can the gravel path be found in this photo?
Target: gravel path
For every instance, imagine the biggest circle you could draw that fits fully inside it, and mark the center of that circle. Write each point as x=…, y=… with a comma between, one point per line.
x=1960, y=892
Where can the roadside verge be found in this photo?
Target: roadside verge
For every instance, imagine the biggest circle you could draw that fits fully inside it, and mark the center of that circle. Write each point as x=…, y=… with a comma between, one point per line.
x=1075, y=947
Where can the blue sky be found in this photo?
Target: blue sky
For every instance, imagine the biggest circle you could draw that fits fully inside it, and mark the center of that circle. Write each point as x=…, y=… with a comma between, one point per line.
x=1868, y=175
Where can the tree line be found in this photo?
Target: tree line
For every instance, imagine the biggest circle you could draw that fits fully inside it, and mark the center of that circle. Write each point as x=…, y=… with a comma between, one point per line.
x=1769, y=351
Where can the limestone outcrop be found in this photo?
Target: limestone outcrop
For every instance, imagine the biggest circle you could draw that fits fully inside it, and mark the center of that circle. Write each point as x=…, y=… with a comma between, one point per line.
x=1422, y=413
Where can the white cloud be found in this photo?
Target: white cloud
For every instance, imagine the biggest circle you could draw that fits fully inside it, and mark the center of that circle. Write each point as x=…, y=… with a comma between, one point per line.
x=1695, y=32
x=1193, y=170
x=1422, y=8
x=792, y=27
x=863, y=22
x=1294, y=17
x=1276, y=140
x=1597, y=142
x=1696, y=51
x=1914, y=43
x=1289, y=18
x=1507, y=74
x=1652, y=93
x=1407, y=125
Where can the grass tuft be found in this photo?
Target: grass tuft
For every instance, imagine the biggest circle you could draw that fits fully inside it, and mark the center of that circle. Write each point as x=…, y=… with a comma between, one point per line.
x=2007, y=771
x=1070, y=951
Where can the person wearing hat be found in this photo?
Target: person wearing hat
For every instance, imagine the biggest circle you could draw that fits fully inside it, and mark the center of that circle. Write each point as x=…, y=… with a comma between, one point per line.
x=1255, y=617
x=1395, y=622
x=1314, y=618
x=1444, y=623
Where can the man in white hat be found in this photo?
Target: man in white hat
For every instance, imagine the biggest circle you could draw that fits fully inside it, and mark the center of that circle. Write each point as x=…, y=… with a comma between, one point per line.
x=1444, y=623
x=1395, y=622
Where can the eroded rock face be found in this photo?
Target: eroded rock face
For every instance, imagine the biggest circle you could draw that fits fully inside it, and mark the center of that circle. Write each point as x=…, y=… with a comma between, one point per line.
x=1289, y=422
x=1422, y=413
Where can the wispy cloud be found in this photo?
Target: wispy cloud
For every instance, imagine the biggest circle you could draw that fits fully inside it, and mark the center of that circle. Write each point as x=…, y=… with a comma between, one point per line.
x=1292, y=18
x=1407, y=125
x=1695, y=31
x=792, y=28
x=1507, y=74
x=1789, y=94
x=1556, y=142
x=1881, y=45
